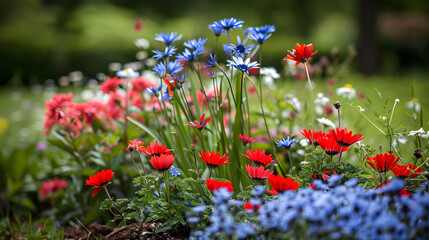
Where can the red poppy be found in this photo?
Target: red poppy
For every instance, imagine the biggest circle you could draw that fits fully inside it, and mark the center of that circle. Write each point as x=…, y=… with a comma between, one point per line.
x=171, y=83
x=154, y=149
x=99, y=180
x=382, y=162
x=134, y=145
x=330, y=145
x=51, y=186
x=212, y=185
x=258, y=157
x=258, y=173
x=301, y=53
x=200, y=124
x=345, y=138
x=246, y=139
x=404, y=172
x=111, y=84
x=212, y=159
x=312, y=135
x=163, y=162
x=281, y=184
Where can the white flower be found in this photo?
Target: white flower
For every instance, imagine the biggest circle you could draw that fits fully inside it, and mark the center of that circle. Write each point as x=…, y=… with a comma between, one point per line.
x=269, y=74
x=425, y=135
x=346, y=92
x=326, y=122
x=127, y=73
x=304, y=142
x=384, y=118
x=142, y=43
x=414, y=104
x=397, y=100
x=300, y=152
x=321, y=100
x=417, y=132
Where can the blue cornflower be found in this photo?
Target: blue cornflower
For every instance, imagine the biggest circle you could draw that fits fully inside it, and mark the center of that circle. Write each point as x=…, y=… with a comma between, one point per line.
x=195, y=44
x=221, y=195
x=240, y=49
x=166, y=96
x=180, y=79
x=260, y=37
x=172, y=67
x=168, y=52
x=168, y=38
x=190, y=56
x=193, y=219
x=216, y=29
x=226, y=49
x=174, y=172
x=212, y=61
x=229, y=23
x=154, y=90
x=262, y=29
x=241, y=65
x=285, y=143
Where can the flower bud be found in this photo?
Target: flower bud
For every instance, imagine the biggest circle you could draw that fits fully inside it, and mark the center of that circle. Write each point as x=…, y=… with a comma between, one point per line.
x=417, y=153
x=337, y=105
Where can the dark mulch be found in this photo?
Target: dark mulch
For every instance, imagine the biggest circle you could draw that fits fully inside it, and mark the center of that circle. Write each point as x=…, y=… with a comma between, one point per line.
x=126, y=232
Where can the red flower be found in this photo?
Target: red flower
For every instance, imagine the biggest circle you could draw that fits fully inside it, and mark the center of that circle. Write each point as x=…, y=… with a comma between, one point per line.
x=55, y=109
x=382, y=162
x=281, y=184
x=140, y=84
x=111, y=84
x=134, y=145
x=258, y=157
x=171, y=83
x=312, y=135
x=301, y=53
x=200, y=124
x=403, y=192
x=213, y=160
x=51, y=186
x=162, y=163
x=330, y=145
x=250, y=208
x=404, y=172
x=258, y=173
x=246, y=139
x=345, y=138
x=99, y=180
x=155, y=149
x=213, y=185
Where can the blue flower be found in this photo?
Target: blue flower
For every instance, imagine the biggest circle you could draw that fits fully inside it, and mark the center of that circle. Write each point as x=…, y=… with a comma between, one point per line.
x=226, y=49
x=172, y=67
x=229, y=23
x=285, y=143
x=174, y=172
x=168, y=38
x=195, y=44
x=193, y=219
x=259, y=190
x=168, y=52
x=260, y=37
x=154, y=90
x=180, y=79
x=190, y=56
x=199, y=209
x=241, y=65
x=212, y=61
x=216, y=29
x=240, y=49
x=221, y=195
x=166, y=96
x=262, y=29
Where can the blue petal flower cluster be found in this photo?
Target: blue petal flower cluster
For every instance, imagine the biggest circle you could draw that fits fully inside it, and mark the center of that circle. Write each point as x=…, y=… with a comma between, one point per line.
x=172, y=68
x=197, y=48
x=240, y=49
x=242, y=65
x=228, y=23
x=168, y=38
x=287, y=143
x=168, y=52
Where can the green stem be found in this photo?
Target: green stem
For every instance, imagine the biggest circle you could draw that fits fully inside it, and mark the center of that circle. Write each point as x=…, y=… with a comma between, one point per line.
x=290, y=161
x=135, y=165
x=166, y=187
x=339, y=155
x=311, y=96
x=198, y=172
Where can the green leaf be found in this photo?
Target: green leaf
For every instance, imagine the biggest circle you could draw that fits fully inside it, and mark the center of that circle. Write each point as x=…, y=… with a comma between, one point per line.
x=145, y=128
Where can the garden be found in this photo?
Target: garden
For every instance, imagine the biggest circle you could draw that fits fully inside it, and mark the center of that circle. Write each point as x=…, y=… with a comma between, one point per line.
x=201, y=139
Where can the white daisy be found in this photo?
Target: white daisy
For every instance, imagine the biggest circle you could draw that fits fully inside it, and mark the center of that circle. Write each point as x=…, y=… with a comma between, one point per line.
x=326, y=122
x=417, y=132
x=414, y=104
x=346, y=92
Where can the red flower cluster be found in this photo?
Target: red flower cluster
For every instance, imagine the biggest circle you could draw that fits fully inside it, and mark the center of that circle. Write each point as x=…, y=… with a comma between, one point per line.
x=99, y=180
x=330, y=145
x=404, y=171
x=313, y=136
x=301, y=53
x=140, y=84
x=134, y=145
x=212, y=159
x=213, y=185
x=345, y=138
x=154, y=149
x=382, y=162
x=281, y=184
x=111, y=84
x=51, y=186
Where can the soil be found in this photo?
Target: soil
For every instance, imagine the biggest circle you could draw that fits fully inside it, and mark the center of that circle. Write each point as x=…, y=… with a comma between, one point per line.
x=127, y=232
